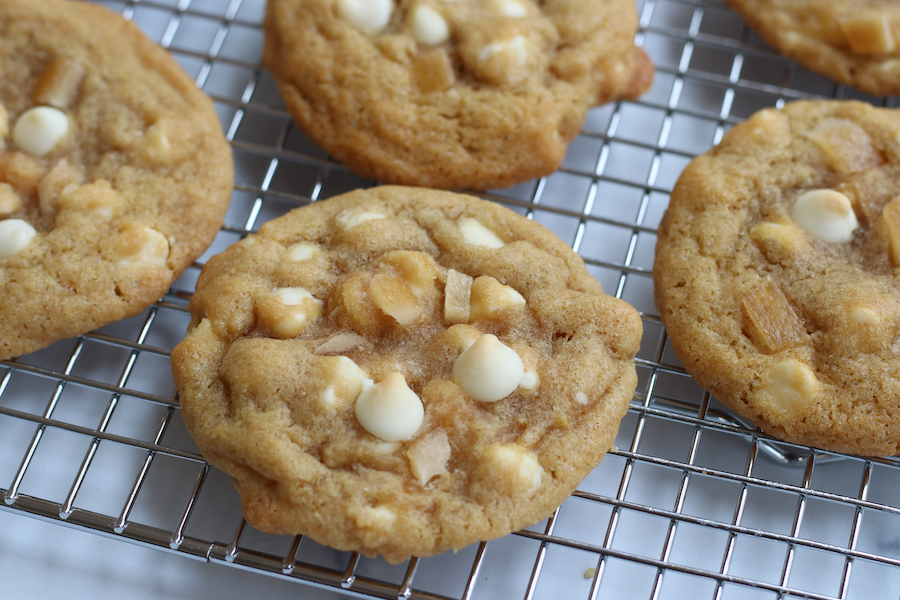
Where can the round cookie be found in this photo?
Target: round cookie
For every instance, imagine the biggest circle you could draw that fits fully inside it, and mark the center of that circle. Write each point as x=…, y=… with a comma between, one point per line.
x=451, y=94
x=114, y=172
x=402, y=371
x=854, y=42
x=776, y=274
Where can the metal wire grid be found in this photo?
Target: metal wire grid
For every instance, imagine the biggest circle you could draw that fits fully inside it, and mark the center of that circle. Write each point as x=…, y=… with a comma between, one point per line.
x=693, y=504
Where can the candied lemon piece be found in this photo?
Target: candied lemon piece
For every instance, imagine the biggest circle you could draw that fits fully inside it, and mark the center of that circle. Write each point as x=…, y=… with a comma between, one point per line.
x=868, y=32
x=769, y=319
x=846, y=145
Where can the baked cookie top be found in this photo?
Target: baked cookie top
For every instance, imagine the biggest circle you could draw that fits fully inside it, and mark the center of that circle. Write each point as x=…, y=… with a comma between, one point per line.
x=401, y=371
x=114, y=172
x=776, y=274
x=854, y=42
x=451, y=93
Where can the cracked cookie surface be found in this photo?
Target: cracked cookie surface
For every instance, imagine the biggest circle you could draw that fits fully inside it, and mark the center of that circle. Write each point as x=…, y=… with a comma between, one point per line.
x=776, y=279
x=451, y=94
x=854, y=42
x=402, y=371
x=114, y=172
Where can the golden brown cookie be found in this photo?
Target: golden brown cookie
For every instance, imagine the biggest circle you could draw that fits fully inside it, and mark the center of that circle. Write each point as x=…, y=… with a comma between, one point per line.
x=776, y=274
x=451, y=94
x=114, y=172
x=402, y=371
x=854, y=42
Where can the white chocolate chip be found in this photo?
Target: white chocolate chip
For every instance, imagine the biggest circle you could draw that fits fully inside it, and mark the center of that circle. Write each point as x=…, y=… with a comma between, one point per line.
x=509, y=8
x=581, y=398
x=294, y=296
x=349, y=219
x=517, y=467
x=529, y=380
x=369, y=16
x=478, y=235
x=793, y=383
x=514, y=49
x=389, y=410
x=303, y=250
x=429, y=26
x=39, y=129
x=488, y=370
x=14, y=235
x=826, y=214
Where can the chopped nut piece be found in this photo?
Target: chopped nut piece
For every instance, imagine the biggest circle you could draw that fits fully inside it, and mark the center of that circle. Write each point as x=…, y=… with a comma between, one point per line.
x=395, y=298
x=389, y=410
x=139, y=245
x=157, y=145
x=793, y=384
x=287, y=312
x=51, y=187
x=433, y=71
x=417, y=269
x=457, y=292
x=891, y=215
x=97, y=197
x=847, y=146
x=781, y=243
x=10, y=201
x=345, y=381
x=59, y=83
x=4, y=123
x=490, y=297
x=530, y=380
x=14, y=235
x=22, y=171
x=826, y=214
x=769, y=319
x=868, y=32
x=341, y=343
x=489, y=370
x=376, y=517
x=429, y=456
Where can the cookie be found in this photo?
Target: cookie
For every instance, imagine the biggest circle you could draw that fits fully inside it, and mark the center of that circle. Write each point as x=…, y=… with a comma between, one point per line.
x=462, y=94
x=776, y=274
x=403, y=371
x=114, y=172
x=854, y=42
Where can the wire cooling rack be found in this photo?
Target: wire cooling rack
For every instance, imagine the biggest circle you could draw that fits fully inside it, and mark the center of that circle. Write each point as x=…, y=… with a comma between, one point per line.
x=693, y=504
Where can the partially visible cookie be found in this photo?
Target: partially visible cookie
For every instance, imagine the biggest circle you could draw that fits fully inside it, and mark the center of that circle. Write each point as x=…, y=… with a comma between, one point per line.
x=402, y=371
x=451, y=94
x=114, y=172
x=854, y=42
x=776, y=274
